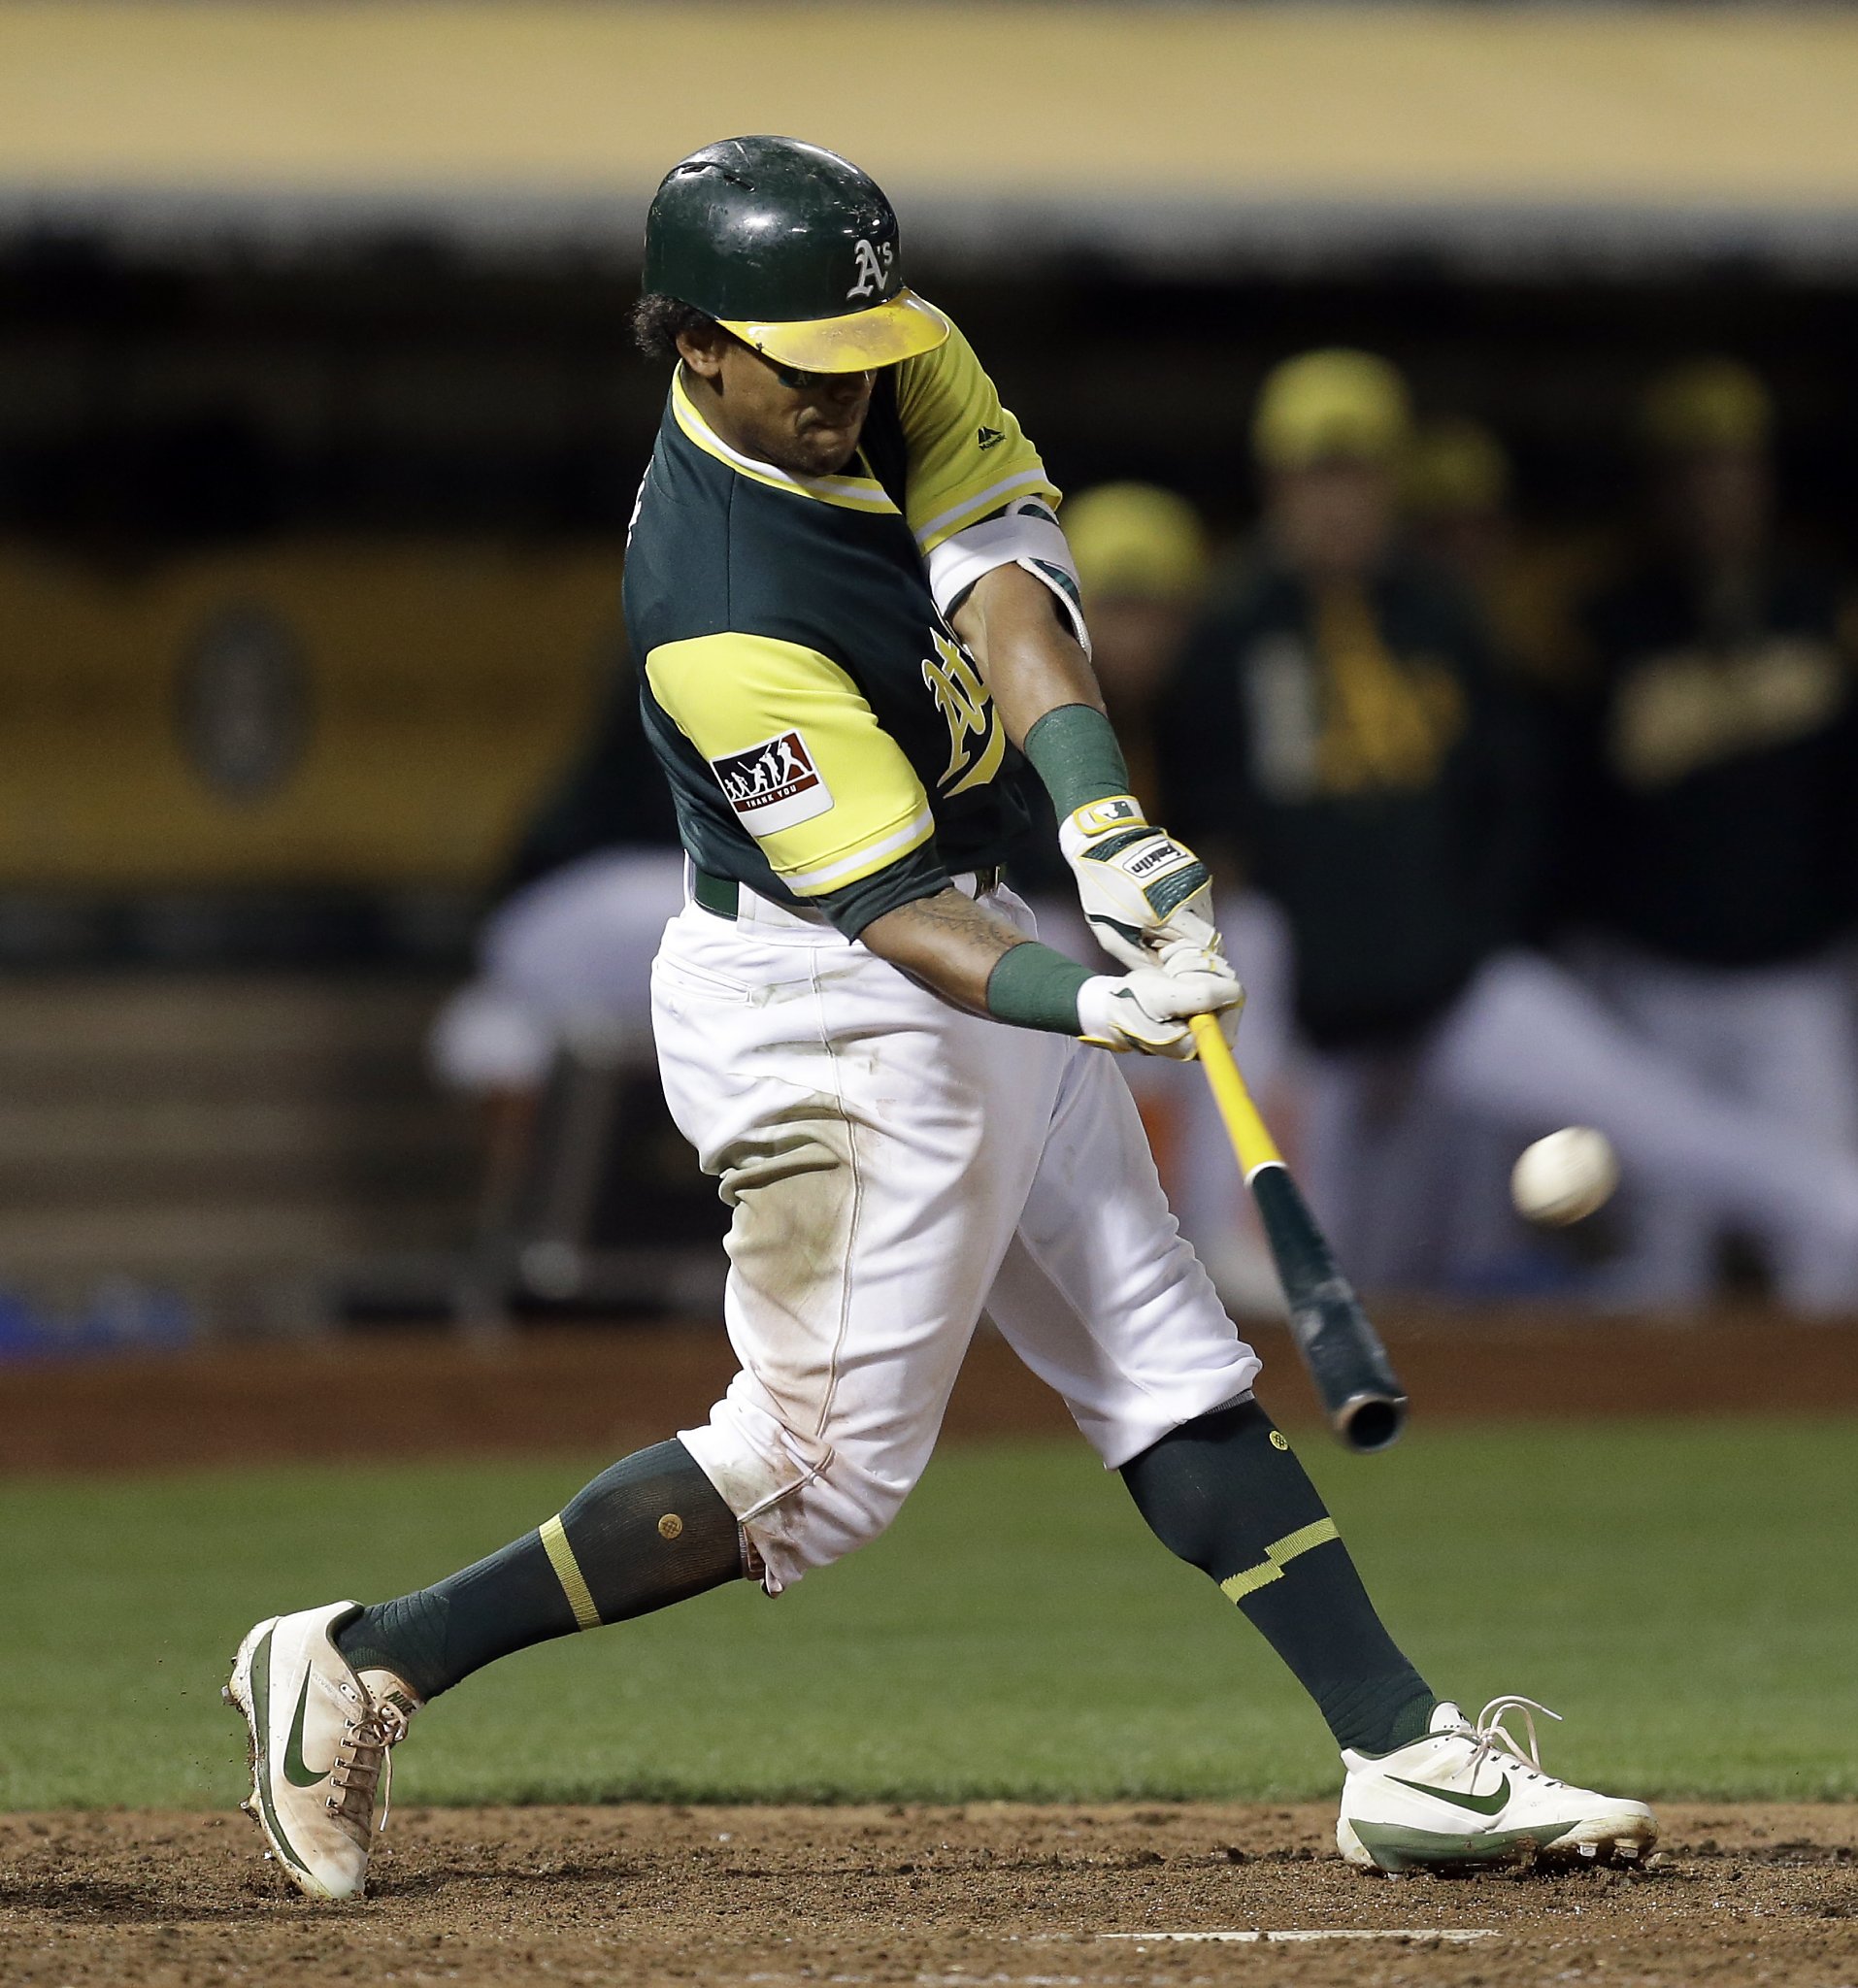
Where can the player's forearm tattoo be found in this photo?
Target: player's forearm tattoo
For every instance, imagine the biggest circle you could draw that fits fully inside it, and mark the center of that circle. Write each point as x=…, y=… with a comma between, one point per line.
x=952, y=913
x=946, y=942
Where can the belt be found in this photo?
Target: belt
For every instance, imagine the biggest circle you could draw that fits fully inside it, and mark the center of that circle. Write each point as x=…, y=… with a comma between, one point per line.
x=722, y=896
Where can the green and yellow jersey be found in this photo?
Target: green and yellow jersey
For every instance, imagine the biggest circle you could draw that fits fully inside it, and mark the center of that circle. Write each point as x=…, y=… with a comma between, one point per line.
x=826, y=737
x=1358, y=750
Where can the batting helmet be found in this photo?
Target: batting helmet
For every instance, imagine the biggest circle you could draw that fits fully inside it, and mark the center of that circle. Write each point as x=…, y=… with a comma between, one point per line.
x=793, y=250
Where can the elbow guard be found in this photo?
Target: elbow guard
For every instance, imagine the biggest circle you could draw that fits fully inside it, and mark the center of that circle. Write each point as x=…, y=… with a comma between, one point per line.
x=1024, y=534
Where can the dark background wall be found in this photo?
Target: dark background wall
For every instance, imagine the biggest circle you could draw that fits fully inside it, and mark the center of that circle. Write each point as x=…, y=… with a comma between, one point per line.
x=398, y=386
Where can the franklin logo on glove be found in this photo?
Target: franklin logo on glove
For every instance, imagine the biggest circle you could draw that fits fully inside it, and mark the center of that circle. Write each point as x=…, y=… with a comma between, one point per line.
x=1159, y=855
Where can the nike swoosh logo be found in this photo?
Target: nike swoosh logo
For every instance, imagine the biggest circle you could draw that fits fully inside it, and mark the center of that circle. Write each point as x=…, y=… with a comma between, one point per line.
x=1478, y=1804
x=296, y=1770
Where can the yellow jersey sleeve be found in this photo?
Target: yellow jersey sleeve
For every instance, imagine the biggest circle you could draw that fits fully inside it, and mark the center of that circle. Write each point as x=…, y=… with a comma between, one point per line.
x=799, y=755
x=967, y=455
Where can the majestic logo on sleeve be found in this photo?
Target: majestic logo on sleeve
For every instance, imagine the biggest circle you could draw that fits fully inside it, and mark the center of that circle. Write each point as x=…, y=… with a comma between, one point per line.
x=870, y=268
x=773, y=786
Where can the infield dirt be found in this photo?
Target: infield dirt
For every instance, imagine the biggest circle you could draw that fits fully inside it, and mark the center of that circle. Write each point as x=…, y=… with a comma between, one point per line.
x=989, y=1894
x=953, y=1897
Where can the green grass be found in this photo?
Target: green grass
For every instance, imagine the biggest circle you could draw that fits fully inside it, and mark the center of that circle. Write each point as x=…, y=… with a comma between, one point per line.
x=1683, y=1592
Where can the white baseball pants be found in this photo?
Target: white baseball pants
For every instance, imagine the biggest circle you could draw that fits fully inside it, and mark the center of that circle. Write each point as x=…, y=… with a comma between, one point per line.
x=894, y=1167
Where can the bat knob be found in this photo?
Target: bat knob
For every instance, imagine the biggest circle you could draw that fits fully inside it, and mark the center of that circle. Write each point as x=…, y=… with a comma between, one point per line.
x=1354, y=1380
x=1368, y=1422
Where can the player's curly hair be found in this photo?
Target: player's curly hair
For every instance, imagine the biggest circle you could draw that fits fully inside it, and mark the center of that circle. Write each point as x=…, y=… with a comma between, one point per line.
x=657, y=319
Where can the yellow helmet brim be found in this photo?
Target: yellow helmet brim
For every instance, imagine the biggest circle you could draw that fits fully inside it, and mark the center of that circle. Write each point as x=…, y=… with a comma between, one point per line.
x=859, y=341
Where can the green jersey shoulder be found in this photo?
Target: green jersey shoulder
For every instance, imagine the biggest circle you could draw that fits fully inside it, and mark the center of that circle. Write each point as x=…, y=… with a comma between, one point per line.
x=825, y=735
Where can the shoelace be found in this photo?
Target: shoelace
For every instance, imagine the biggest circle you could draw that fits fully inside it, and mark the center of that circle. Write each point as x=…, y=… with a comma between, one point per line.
x=1491, y=1738
x=364, y=1769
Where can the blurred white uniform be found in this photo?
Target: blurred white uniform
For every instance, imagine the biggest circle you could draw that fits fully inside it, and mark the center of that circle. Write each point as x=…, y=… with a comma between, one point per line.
x=567, y=955
x=1527, y=1048
x=1781, y=1044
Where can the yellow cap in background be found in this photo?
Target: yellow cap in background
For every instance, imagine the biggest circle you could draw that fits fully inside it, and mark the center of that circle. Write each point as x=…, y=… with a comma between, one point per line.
x=1708, y=404
x=1136, y=541
x=1329, y=404
x=1454, y=466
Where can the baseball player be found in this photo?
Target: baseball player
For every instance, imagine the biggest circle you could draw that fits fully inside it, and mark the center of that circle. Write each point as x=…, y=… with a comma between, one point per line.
x=856, y=620
x=1456, y=490
x=1712, y=829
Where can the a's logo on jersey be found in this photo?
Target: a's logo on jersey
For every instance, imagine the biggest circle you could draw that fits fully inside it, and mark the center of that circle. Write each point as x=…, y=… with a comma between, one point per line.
x=1675, y=712
x=977, y=745
x=773, y=786
x=870, y=268
x=985, y=438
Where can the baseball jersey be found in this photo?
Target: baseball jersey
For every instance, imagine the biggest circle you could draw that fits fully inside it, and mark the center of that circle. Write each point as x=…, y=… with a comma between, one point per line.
x=826, y=737
x=1718, y=769
x=1355, y=747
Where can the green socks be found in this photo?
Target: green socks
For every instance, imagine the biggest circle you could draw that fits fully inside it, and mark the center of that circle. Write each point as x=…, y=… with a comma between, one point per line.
x=1227, y=1495
x=1225, y=1492
x=648, y=1532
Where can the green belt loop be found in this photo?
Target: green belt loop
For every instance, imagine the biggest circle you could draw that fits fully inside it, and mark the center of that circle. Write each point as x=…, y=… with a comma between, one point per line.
x=715, y=894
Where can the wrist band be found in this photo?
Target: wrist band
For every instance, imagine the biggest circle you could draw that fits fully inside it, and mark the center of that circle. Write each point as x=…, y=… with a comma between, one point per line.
x=1034, y=987
x=1075, y=753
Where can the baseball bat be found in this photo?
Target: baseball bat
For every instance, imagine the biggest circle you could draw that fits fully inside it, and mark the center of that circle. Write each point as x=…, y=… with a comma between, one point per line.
x=1349, y=1365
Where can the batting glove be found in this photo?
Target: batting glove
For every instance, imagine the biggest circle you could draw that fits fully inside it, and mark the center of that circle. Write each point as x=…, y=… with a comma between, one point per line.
x=1140, y=889
x=1149, y=1009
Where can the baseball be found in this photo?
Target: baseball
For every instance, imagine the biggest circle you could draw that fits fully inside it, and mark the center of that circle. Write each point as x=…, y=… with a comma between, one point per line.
x=1564, y=1177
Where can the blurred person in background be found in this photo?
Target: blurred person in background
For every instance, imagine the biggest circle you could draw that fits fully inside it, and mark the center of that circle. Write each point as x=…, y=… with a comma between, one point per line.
x=1143, y=573
x=1340, y=729
x=1711, y=825
x=1339, y=732
x=564, y=957
x=1456, y=487
x=1455, y=490
x=1143, y=566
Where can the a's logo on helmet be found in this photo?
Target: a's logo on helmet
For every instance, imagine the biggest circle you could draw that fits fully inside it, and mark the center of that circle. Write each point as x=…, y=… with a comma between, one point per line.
x=871, y=261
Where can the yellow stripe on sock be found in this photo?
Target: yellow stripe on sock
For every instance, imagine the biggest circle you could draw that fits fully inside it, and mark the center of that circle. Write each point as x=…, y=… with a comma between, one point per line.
x=554, y=1542
x=1272, y=1567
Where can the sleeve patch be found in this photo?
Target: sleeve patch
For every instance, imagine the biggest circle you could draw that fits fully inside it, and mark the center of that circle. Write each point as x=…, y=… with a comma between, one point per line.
x=773, y=786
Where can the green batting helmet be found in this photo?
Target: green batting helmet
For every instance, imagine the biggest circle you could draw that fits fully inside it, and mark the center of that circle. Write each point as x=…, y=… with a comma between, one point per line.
x=793, y=250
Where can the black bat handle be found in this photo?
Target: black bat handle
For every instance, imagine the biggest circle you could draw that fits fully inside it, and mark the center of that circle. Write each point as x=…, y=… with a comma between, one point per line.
x=1353, y=1378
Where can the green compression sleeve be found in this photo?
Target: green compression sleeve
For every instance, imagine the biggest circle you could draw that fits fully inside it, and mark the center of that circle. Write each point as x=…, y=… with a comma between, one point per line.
x=1034, y=987
x=1075, y=753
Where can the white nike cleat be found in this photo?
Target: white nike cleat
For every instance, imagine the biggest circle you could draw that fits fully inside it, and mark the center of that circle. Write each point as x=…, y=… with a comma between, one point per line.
x=1469, y=1795
x=320, y=1735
